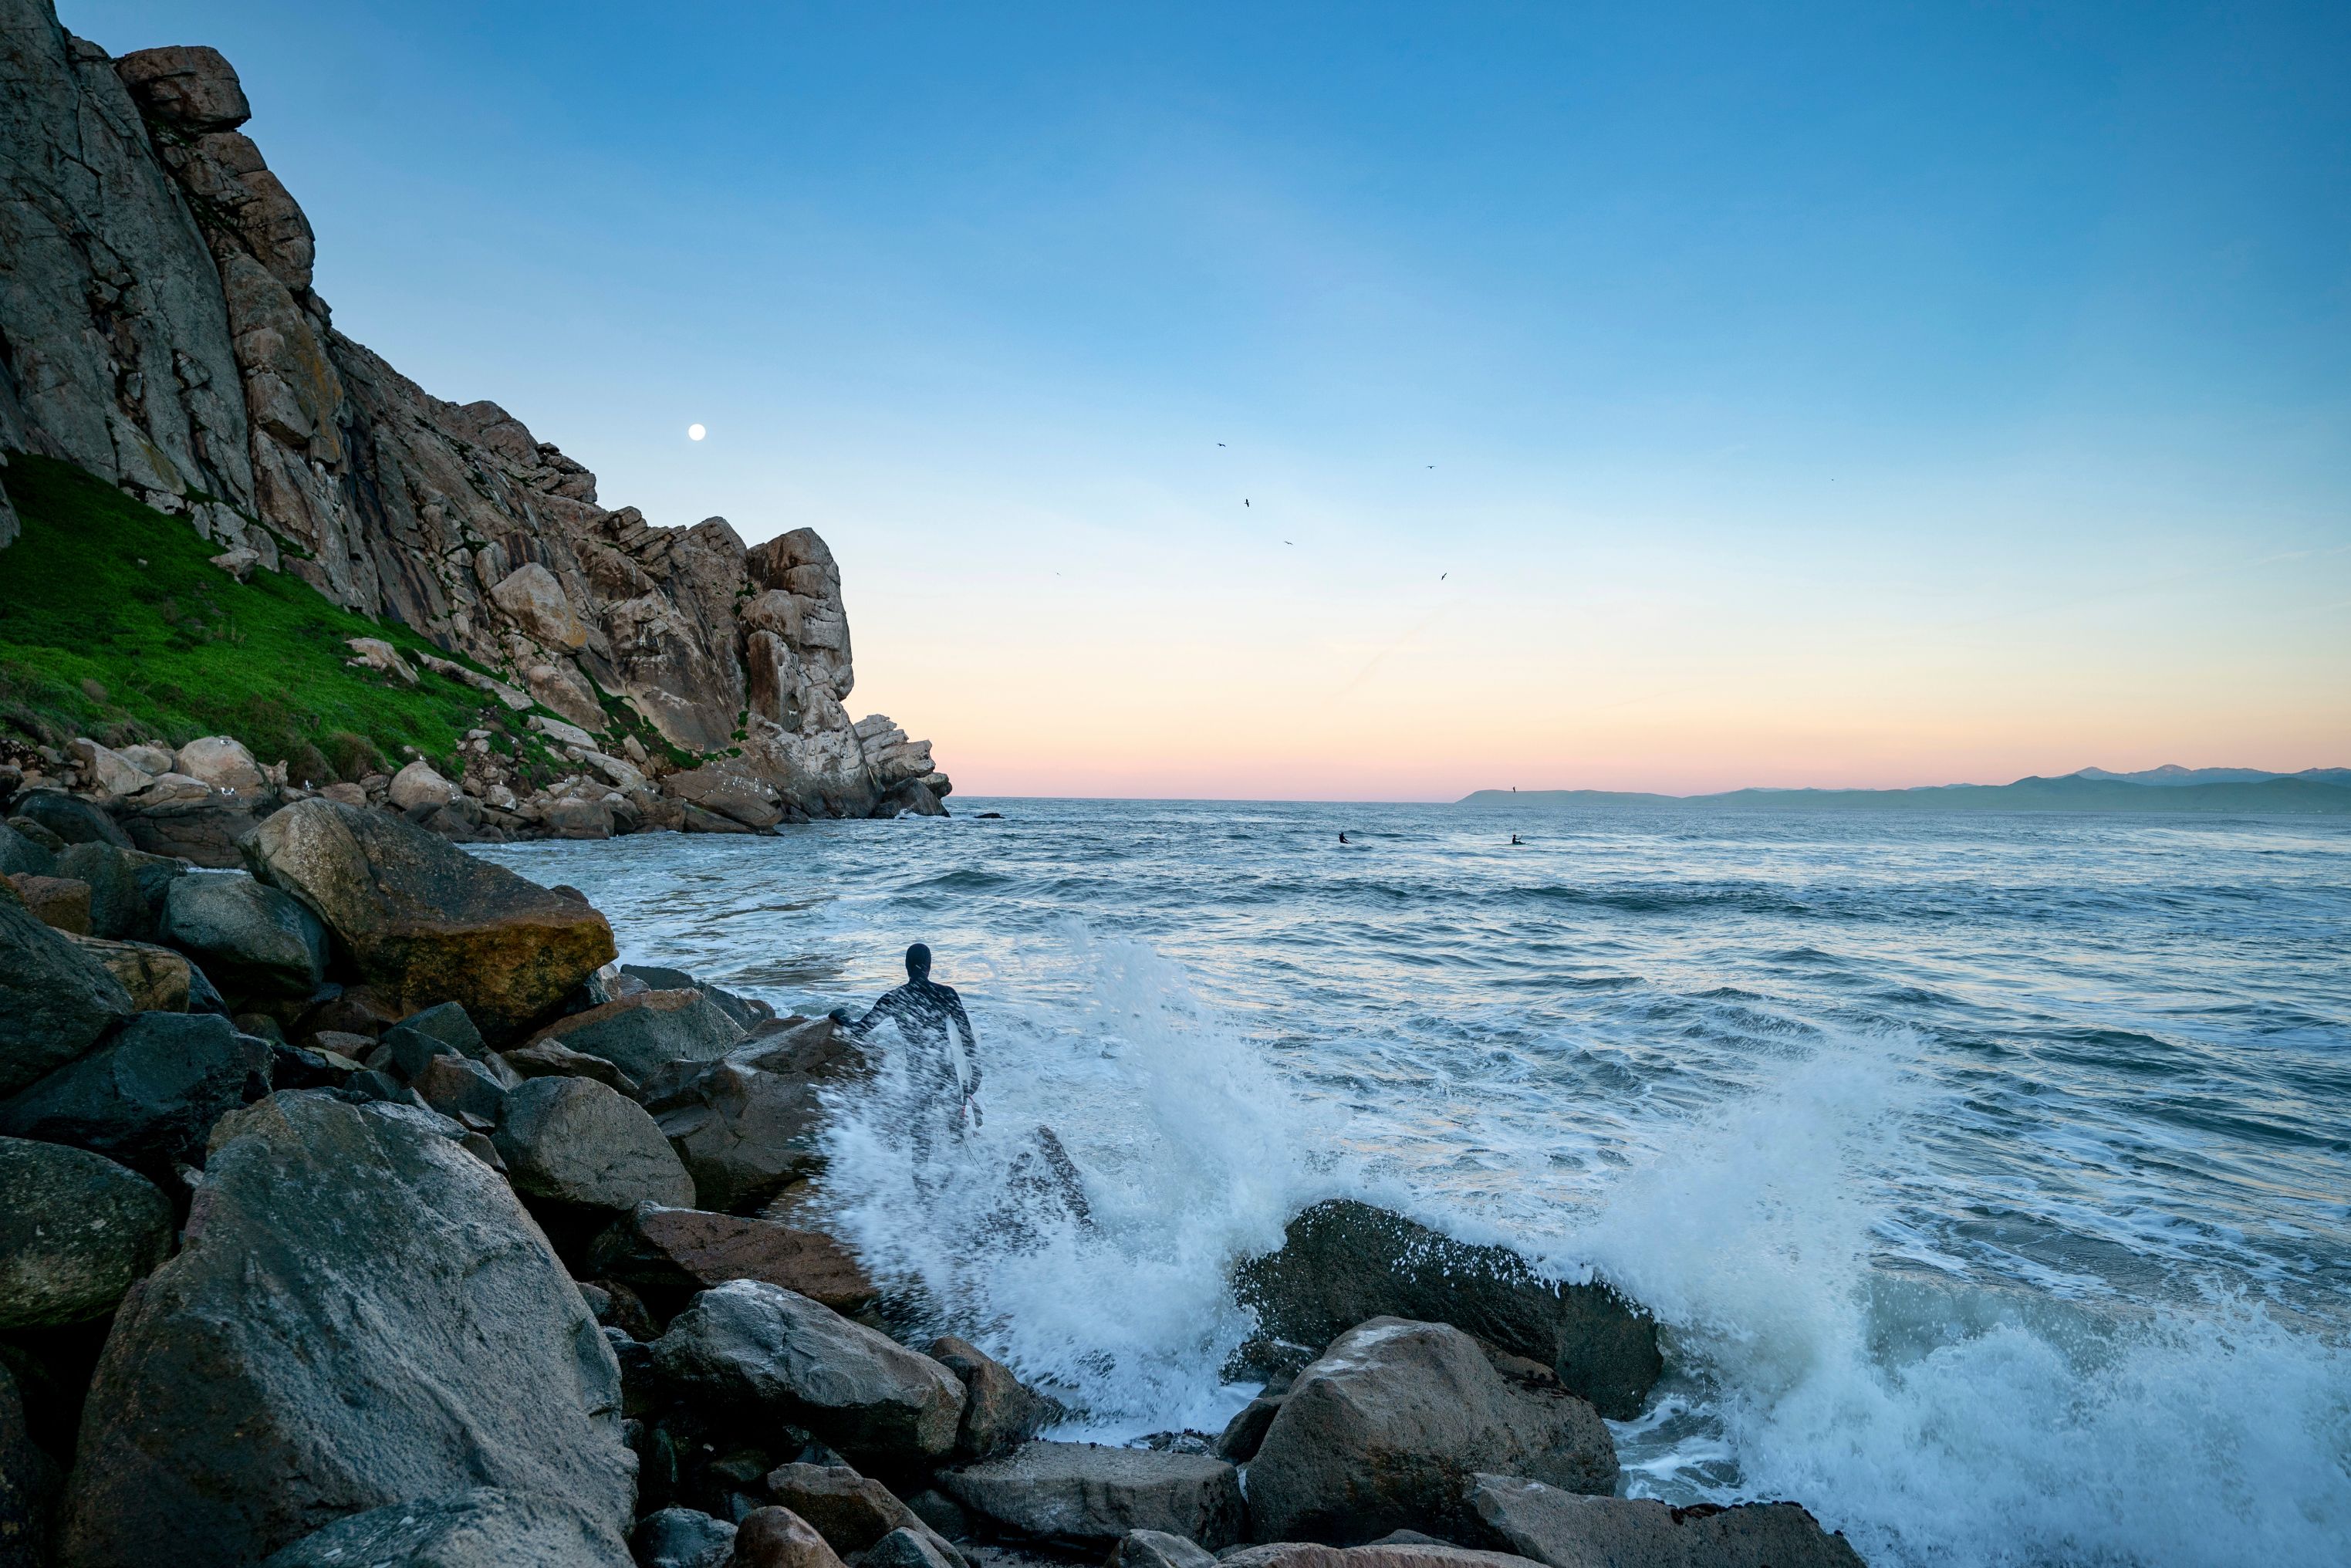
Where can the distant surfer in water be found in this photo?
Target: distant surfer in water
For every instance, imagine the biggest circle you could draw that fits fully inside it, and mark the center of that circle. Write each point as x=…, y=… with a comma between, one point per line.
x=945, y=1082
x=1343, y=838
x=1514, y=838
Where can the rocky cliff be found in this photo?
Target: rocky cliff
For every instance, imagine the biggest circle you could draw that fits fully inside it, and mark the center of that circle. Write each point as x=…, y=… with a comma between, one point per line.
x=157, y=326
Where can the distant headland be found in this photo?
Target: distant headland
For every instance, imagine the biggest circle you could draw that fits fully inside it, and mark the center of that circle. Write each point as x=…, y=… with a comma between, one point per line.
x=2313, y=791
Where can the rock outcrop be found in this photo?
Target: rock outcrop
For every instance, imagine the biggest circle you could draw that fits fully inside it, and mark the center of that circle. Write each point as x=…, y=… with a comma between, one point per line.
x=159, y=328
x=1565, y=1530
x=1085, y=1497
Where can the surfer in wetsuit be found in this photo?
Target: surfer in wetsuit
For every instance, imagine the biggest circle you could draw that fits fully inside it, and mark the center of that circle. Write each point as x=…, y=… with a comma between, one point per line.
x=945, y=1082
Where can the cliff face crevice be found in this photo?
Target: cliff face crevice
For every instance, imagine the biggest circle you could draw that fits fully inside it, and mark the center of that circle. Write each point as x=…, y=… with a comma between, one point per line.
x=159, y=328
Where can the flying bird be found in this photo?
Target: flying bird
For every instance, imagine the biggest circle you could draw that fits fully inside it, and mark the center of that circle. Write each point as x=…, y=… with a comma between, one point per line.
x=1220, y=443
x=1244, y=500
x=1443, y=575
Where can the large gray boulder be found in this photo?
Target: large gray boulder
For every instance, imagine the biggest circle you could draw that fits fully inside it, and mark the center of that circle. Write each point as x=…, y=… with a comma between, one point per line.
x=682, y=1537
x=749, y=1124
x=1343, y=1262
x=148, y=1096
x=75, y=820
x=1400, y=1553
x=125, y=888
x=254, y=942
x=766, y=1354
x=77, y=1230
x=483, y=1527
x=573, y=1141
x=1385, y=1430
x=1085, y=1497
x=362, y=1313
x=19, y=854
x=56, y=1000
x=1157, y=1549
x=642, y=1033
x=422, y=921
x=1565, y=1530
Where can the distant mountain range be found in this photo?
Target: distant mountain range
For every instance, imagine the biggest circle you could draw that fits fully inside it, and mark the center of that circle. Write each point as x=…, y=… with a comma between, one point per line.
x=2313, y=791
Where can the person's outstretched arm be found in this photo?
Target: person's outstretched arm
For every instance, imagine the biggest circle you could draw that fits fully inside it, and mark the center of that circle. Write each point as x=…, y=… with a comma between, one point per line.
x=858, y=1029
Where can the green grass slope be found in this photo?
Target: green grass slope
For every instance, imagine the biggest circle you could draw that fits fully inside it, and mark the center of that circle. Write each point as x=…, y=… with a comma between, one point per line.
x=115, y=625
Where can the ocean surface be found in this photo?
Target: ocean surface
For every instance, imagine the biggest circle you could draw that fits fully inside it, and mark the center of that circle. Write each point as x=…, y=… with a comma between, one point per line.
x=1991, y=1174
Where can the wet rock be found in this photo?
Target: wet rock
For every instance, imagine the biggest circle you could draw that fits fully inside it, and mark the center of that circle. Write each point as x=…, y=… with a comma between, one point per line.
x=449, y=1024
x=642, y=1033
x=910, y=1548
x=55, y=1000
x=481, y=1528
x=1081, y=1496
x=204, y=831
x=749, y=1124
x=573, y=1141
x=765, y=1353
x=682, y=1537
x=463, y=1090
x=1422, y=1552
x=73, y=821
x=255, y=942
x=427, y=922
x=1385, y=1430
x=59, y=903
x=1344, y=1262
x=851, y=1511
x=119, y=906
x=148, y=1096
x=1243, y=1435
x=1565, y=1530
x=77, y=1230
x=778, y=1538
x=998, y=1411
x=361, y=1313
x=553, y=1059
x=158, y=980
x=1157, y=1549
x=666, y=1254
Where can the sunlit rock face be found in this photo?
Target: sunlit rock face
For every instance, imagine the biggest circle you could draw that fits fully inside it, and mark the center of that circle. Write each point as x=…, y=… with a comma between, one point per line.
x=157, y=326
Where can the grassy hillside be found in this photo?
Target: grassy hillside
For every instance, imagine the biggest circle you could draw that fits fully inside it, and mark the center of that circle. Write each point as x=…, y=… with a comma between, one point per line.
x=115, y=625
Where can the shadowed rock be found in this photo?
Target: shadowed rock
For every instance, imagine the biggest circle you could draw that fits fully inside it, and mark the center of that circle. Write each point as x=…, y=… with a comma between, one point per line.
x=55, y=1000
x=682, y=1537
x=77, y=821
x=158, y=980
x=778, y=1538
x=1420, y=1553
x=481, y=1528
x=1564, y=1530
x=255, y=942
x=749, y=1125
x=1344, y=1262
x=998, y=1411
x=642, y=1033
x=148, y=1096
x=767, y=1354
x=669, y=1253
x=573, y=1141
x=1157, y=1549
x=1085, y=1497
x=59, y=903
x=852, y=1512
x=427, y=922
x=77, y=1230
x=362, y=1313
x=1385, y=1430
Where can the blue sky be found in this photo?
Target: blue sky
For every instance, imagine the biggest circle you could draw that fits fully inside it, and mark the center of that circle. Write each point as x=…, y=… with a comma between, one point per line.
x=1650, y=397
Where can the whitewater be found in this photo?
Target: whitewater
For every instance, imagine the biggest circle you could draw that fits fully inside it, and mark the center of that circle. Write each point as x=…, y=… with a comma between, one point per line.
x=1990, y=1175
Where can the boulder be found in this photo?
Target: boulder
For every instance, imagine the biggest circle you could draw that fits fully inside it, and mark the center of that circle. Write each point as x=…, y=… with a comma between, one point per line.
x=726, y=792
x=642, y=1033
x=448, y=1023
x=119, y=887
x=910, y=1548
x=222, y=763
x=159, y=981
x=418, y=785
x=682, y=1537
x=361, y=1313
x=998, y=1411
x=189, y=86
x=553, y=1059
x=425, y=922
x=850, y=1510
x=1566, y=1530
x=1383, y=1431
x=665, y=1254
x=59, y=903
x=108, y=772
x=148, y=1096
x=255, y=942
x=1239, y=1440
x=770, y=1354
x=1401, y=1553
x=573, y=1141
x=483, y=1527
x=205, y=831
x=1157, y=1549
x=462, y=1089
x=55, y=1000
x=778, y=1538
x=1084, y=1497
x=749, y=1124
x=1344, y=1262
x=19, y=854
x=75, y=821
x=77, y=1230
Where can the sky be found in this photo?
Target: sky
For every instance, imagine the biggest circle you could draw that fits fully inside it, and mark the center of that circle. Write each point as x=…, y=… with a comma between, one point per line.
x=1359, y=401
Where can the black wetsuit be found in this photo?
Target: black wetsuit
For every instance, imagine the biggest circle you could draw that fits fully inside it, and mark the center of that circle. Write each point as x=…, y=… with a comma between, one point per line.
x=924, y=1012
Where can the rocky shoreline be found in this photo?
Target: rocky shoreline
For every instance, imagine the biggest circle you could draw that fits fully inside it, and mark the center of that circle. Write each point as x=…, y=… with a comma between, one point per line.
x=355, y=1207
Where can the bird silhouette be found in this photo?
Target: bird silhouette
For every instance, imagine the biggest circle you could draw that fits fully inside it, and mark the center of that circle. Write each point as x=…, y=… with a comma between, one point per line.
x=1289, y=541
x=1443, y=575
x=1245, y=501
x=1220, y=443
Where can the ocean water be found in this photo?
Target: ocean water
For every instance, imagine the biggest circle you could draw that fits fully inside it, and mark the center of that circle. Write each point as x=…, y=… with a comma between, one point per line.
x=1990, y=1175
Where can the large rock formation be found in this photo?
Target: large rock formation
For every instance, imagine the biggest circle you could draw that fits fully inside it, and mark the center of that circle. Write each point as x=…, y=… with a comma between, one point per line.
x=157, y=326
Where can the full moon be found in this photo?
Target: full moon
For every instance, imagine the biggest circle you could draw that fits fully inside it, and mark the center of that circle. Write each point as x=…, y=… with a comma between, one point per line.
x=695, y=433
